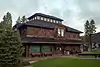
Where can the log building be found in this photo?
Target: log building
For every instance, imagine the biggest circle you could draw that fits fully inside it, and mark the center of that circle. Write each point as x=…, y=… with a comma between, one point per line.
x=44, y=35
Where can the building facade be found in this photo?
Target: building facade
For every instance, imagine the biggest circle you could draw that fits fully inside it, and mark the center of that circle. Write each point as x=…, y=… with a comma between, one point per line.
x=95, y=40
x=44, y=35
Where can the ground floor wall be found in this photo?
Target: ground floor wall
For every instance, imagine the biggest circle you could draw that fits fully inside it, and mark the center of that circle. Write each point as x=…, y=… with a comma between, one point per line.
x=32, y=50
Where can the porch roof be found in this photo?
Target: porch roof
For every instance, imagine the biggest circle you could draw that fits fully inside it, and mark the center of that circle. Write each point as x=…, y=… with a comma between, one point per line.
x=49, y=40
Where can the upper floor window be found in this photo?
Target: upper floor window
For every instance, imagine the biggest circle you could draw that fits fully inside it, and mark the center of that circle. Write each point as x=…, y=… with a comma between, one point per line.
x=60, y=32
x=48, y=19
x=41, y=18
x=56, y=21
x=45, y=19
x=38, y=17
x=51, y=20
x=35, y=18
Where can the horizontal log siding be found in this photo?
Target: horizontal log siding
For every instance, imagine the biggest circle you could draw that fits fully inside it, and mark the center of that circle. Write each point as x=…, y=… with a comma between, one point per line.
x=39, y=32
x=69, y=35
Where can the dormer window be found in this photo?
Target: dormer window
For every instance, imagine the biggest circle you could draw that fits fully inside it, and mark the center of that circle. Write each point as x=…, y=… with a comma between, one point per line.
x=35, y=18
x=60, y=32
x=44, y=19
x=48, y=20
x=58, y=21
x=38, y=17
x=54, y=21
x=41, y=18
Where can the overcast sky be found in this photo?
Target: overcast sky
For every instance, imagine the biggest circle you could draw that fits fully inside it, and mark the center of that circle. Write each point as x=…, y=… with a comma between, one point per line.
x=74, y=12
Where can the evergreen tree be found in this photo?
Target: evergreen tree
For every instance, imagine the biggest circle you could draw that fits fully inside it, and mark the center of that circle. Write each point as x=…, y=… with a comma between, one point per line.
x=92, y=27
x=18, y=20
x=23, y=19
x=10, y=44
x=7, y=19
x=89, y=30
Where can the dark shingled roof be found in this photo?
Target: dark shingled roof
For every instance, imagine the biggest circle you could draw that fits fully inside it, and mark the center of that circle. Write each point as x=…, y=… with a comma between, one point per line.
x=40, y=24
x=46, y=16
x=73, y=30
x=43, y=24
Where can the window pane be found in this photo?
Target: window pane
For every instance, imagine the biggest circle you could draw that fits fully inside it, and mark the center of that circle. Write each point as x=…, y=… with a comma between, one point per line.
x=62, y=32
x=44, y=19
x=35, y=17
x=41, y=18
x=51, y=20
x=58, y=32
x=35, y=48
x=56, y=21
x=38, y=17
x=48, y=20
x=46, y=49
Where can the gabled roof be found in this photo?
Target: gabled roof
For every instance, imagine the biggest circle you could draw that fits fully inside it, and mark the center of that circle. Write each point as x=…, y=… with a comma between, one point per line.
x=46, y=16
x=43, y=24
x=73, y=30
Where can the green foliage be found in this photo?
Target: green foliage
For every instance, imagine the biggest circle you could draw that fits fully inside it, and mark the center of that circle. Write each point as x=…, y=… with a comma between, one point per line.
x=90, y=27
x=23, y=19
x=66, y=62
x=87, y=28
x=10, y=45
x=7, y=19
x=18, y=20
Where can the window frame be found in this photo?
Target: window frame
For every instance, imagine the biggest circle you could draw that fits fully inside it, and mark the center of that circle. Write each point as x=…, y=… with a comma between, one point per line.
x=60, y=32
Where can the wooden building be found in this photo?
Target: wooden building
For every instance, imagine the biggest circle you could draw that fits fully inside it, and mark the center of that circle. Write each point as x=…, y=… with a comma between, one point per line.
x=44, y=35
x=95, y=41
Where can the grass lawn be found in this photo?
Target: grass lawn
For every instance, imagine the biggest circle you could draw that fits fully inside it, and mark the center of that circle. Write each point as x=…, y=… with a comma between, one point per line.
x=66, y=62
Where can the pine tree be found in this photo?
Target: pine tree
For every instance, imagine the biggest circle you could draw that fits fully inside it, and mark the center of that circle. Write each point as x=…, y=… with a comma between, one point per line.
x=10, y=44
x=23, y=19
x=18, y=20
x=89, y=30
x=92, y=26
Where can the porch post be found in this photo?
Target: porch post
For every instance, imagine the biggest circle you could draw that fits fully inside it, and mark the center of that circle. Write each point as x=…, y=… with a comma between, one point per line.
x=62, y=49
x=27, y=51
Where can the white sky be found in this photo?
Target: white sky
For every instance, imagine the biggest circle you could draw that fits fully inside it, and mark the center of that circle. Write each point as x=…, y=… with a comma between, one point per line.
x=74, y=12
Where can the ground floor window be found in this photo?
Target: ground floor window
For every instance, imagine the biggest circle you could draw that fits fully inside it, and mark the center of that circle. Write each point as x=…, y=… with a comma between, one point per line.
x=35, y=48
x=46, y=49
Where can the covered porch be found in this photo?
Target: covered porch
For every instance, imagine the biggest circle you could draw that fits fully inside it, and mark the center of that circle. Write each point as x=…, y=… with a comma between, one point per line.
x=50, y=46
x=42, y=50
